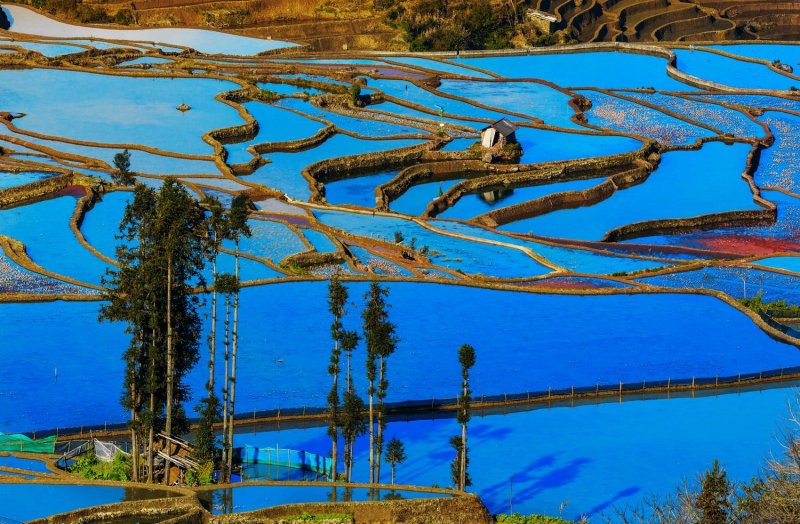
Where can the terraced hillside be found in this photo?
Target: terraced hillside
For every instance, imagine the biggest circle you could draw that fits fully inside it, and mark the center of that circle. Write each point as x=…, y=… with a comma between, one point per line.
x=672, y=20
x=328, y=25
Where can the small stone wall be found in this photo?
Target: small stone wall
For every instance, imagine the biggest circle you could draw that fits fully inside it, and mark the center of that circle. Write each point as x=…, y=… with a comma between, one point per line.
x=464, y=509
x=337, y=168
x=14, y=195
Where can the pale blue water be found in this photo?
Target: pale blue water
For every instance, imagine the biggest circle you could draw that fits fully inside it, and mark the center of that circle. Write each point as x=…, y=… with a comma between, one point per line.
x=596, y=456
x=780, y=164
x=218, y=183
x=44, y=229
x=269, y=240
x=397, y=109
x=579, y=260
x=472, y=205
x=629, y=117
x=542, y=145
x=446, y=251
x=275, y=125
x=524, y=342
x=210, y=42
x=787, y=53
x=529, y=98
x=357, y=190
x=736, y=282
x=586, y=69
x=283, y=173
x=320, y=241
x=118, y=109
x=727, y=120
x=416, y=199
x=379, y=265
x=141, y=161
x=731, y=72
x=149, y=60
x=787, y=263
x=436, y=65
x=36, y=466
x=368, y=128
x=49, y=50
x=249, y=498
x=405, y=90
x=34, y=501
x=8, y=179
x=686, y=184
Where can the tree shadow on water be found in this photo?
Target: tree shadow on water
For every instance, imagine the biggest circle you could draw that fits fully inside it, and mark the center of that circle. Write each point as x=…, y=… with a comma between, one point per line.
x=622, y=494
x=544, y=473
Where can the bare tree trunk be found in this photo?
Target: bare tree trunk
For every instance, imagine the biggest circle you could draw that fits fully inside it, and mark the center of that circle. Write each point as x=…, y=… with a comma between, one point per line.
x=225, y=390
x=463, y=472
x=151, y=439
x=235, y=336
x=335, y=442
x=379, y=439
x=371, y=437
x=170, y=356
x=213, y=349
x=392, y=473
x=170, y=364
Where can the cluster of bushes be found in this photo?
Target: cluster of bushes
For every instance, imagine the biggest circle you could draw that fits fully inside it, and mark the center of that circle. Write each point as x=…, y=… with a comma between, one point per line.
x=516, y=518
x=450, y=24
x=85, y=14
x=90, y=468
x=776, y=308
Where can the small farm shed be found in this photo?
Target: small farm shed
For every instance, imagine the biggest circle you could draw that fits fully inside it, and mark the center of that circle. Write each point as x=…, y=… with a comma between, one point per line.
x=499, y=134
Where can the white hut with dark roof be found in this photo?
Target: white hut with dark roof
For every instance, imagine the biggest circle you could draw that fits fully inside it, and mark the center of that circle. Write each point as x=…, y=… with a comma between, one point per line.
x=499, y=134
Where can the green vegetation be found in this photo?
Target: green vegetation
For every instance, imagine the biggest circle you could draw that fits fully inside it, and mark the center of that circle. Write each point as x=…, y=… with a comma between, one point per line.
x=330, y=518
x=122, y=163
x=395, y=454
x=265, y=95
x=88, y=467
x=516, y=518
x=381, y=342
x=355, y=95
x=458, y=469
x=776, y=308
x=152, y=292
x=203, y=477
x=438, y=25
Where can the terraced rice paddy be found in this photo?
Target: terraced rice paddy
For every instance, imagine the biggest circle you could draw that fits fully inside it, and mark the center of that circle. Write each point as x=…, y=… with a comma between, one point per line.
x=609, y=252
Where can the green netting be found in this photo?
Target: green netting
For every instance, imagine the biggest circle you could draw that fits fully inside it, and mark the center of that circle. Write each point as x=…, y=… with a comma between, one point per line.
x=17, y=442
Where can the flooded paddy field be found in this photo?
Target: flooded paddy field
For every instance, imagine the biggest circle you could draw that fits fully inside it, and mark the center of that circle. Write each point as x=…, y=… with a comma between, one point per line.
x=606, y=240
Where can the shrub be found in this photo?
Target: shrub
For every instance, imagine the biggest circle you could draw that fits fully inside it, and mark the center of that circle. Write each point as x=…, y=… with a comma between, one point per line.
x=516, y=518
x=90, y=468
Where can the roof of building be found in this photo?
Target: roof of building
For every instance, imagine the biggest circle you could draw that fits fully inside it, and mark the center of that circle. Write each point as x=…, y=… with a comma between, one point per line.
x=504, y=127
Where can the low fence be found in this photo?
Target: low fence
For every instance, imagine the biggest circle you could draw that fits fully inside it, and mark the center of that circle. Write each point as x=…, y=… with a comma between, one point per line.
x=488, y=401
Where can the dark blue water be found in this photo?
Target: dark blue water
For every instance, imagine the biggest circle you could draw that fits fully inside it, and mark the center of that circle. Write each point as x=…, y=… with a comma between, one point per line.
x=730, y=72
x=597, y=456
x=44, y=229
x=686, y=184
x=524, y=342
x=586, y=69
x=11, y=461
x=34, y=501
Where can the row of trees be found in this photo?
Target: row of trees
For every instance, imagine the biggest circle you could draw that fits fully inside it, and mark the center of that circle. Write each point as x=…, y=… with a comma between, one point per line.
x=346, y=411
x=167, y=239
